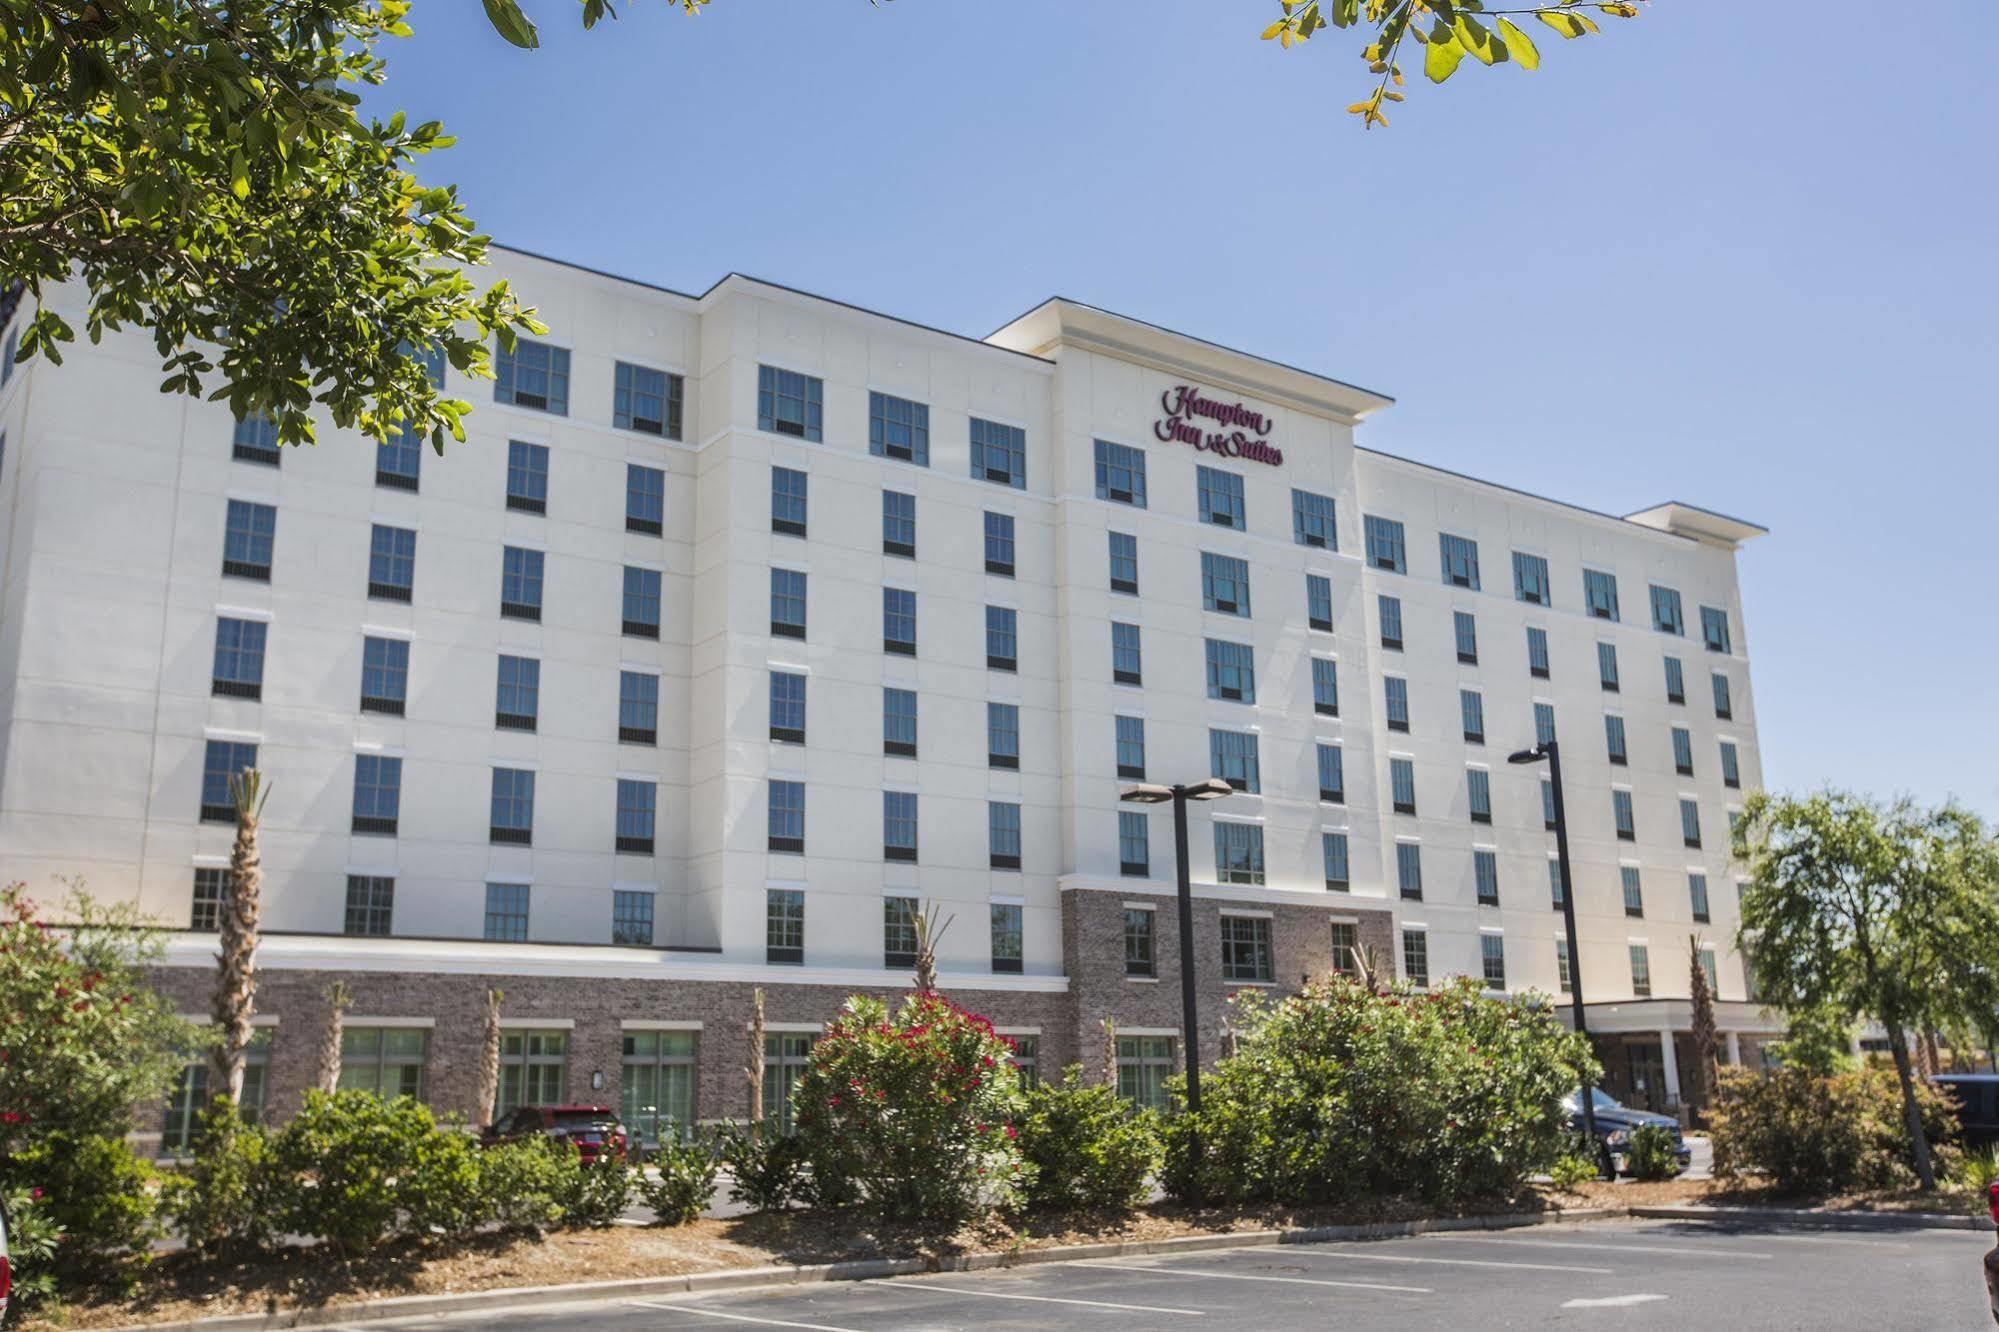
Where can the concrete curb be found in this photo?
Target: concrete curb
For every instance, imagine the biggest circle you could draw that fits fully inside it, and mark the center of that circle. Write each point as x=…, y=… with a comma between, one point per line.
x=1816, y=1219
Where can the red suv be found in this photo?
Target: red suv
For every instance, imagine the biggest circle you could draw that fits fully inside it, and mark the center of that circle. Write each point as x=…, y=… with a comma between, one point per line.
x=594, y=1129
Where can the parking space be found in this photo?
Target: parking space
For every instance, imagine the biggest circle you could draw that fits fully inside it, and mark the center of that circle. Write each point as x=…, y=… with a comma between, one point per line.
x=1623, y=1275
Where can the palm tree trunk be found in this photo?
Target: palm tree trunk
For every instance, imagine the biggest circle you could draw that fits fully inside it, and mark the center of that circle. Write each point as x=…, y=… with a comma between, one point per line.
x=328, y=1080
x=489, y=1060
x=754, y=1071
x=1109, y=1054
x=236, y=963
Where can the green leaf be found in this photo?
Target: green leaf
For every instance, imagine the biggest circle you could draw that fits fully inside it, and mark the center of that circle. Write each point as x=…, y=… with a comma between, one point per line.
x=1568, y=25
x=1479, y=40
x=1440, y=59
x=1519, y=46
x=511, y=24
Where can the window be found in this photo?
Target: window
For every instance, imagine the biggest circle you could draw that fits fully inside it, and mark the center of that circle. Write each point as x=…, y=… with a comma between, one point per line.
x=1134, y=844
x=1465, y=627
x=1731, y=769
x=645, y=400
x=378, y=785
x=1239, y=853
x=999, y=544
x=1384, y=544
x=1138, y=942
x=1530, y=579
x=1620, y=808
x=786, y=1055
x=256, y=440
x=1002, y=735
x=1232, y=756
x=387, y=1061
x=1697, y=897
x=391, y=563
x=399, y=461
x=787, y=603
x=1409, y=870
x=520, y=583
x=1246, y=949
x=1683, y=751
x=1606, y=667
x=1395, y=692
x=210, y=885
x=1537, y=652
x=1555, y=893
x=1641, y=972
x=785, y=817
x=1026, y=1061
x=1613, y=738
x=1666, y=611
x=1124, y=563
x=1714, y=628
x=1319, y=602
x=1478, y=794
x=1690, y=822
x=1544, y=722
x=507, y=913
x=1002, y=638
x=534, y=1068
x=787, y=707
x=1564, y=980
x=638, y=708
x=1143, y=1065
x=371, y=904
x=1676, y=681
x=656, y=1085
x=1634, y=890
x=239, y=658
x=1600, y=594
x=221, y=762
x=898, y=428
x=527, y=477
x=1485, y=876
x=641, y=612
x=1471, y=704
x=1346, y=948
x=1547, y=804
x=638, y=802
x=631, y=918
x=532, y=374
x=898, y=524
x=1460, y=560
x=1120, y=474
x=789, y=403
x=1416, y=957
x=1492, y=960
x=899, y=722
x=788, y=500
x=1722, y=708
x=1002, y=835
x=1332, y=775
x=1224, y=584
x=1706, y=956
x=187, y=1099
x=513, y=807
x=1312, y=520
x=899, y=931
x=517, y=704
x=1333, y=851
x=645, y=499
x=899, y=825
x=248, y=534
x=999, y=453
x=1130, y=747
x=1006, y=932
x=1220, y=497
x=784, y=926
x=1391, y=621
x=1402, y=784
x=1231, y=671
x=1126, y=666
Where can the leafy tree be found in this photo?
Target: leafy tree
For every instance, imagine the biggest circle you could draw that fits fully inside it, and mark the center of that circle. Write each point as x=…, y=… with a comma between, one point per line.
x=1871, y=911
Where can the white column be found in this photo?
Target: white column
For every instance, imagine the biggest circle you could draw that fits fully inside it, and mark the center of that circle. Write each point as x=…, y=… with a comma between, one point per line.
x=1734, y=1048
x=1672, y=1066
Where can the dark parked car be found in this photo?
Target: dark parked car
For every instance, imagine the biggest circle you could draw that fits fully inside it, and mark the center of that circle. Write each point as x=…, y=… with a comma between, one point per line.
x=1977, y=1096
x=1615, y=1124
x=594, y=1129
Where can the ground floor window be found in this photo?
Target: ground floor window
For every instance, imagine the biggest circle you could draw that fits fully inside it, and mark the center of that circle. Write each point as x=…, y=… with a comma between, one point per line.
x=534, y=1069
x=1027, y=1058
x=387, y=1061
x=189, y=1096
x=1143, y=1065
x=656, y=1100
x=786, y=1053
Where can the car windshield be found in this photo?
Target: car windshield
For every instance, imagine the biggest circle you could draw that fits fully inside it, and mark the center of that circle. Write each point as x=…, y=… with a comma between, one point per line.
x=584, y=1119
x=1573, y=1101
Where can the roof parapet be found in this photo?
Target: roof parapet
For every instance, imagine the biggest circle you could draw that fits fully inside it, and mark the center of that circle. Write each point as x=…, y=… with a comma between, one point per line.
x=1702, y=525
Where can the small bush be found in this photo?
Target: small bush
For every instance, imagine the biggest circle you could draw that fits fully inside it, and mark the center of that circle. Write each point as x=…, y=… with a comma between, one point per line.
x=96, y=1191
x=447, y=1193
x=354, y=1162
x=685, y=1184
x=523, y=1184
x=1649, y=1154
x=1975, y=1172
x=1573, y=1170
x=766, y=1167
x=229, y=1198
x=32, y=1237
x=1085, y=1146
x=591, y=1194
x=1816, y=1135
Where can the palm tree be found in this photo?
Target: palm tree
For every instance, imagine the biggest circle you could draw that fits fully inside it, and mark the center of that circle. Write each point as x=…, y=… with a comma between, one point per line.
x=236, y=963
x=329, y=1041
x=489, y=1059
x=1705, y=1038
x=754, y=1071
x=929, y=929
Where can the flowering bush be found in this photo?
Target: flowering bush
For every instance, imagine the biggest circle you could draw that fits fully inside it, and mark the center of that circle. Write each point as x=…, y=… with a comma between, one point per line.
x=1086, y=1146
x=1815, y=1134
x=913, y=1117
x=1343, y=1092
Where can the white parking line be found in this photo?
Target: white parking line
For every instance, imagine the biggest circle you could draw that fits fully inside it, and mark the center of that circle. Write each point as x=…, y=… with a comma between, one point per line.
x=1677, y=1250
x=1315, y=1251
x=1612, y=1302
x=1245, y=1276
x=919, y=1287
x=739, y=1318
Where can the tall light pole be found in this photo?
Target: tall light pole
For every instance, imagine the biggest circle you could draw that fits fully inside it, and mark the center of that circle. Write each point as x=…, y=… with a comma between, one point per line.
x=1551, y=752
x=1152, y=793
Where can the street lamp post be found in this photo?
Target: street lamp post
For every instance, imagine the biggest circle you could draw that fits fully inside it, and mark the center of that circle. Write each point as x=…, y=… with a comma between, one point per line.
x=1551, y=752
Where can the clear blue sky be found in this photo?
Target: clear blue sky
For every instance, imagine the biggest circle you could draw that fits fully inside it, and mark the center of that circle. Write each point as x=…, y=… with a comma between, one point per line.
x=1745, y=262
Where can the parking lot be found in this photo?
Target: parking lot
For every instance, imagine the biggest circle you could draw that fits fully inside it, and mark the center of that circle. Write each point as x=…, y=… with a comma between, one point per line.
x=1622, y=1275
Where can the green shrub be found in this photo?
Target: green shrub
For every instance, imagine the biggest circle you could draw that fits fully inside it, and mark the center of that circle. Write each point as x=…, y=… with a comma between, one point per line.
x=32, y=1238
x=1572, y=1170
x=228, y=1199
x=1085, y=1146
x=766, y=1166
x=523, y=1184
x=352, y=1159
x=591, y=1194
x=96, y=1191
x=447, y=1192
x=1815, y=1135
x=1650, y=1153
x=911, y=1117
x=684, y=1185
x=1343, y=1092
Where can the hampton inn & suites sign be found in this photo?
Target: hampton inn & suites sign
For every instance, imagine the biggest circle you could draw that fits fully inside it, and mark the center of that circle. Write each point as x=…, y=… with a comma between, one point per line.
x=1227, y=428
